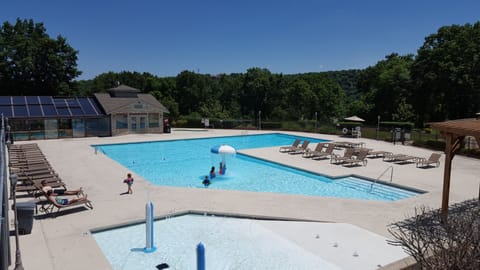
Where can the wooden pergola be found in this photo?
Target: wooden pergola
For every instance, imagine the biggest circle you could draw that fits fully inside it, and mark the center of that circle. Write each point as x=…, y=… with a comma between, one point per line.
x=454, y=132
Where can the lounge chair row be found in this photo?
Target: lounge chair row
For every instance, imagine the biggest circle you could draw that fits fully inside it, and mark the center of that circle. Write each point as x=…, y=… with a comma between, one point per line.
x=355, y=154
x=434, y=159
x=35, y=174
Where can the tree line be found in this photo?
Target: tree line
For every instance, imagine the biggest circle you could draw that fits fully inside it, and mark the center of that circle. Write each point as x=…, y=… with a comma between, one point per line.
x=442, y=81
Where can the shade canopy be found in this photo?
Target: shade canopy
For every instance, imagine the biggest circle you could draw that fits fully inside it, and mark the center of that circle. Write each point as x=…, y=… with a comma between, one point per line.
x=354, y=119
x=223, y=149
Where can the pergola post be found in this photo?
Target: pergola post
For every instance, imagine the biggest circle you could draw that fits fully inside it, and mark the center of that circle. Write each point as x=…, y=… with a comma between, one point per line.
x=453, y=144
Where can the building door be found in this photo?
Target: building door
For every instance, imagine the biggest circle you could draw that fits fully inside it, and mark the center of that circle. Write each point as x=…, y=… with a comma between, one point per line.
x=138, y=123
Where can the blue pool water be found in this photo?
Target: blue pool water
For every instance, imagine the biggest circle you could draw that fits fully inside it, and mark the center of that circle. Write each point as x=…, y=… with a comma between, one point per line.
x=184, y=163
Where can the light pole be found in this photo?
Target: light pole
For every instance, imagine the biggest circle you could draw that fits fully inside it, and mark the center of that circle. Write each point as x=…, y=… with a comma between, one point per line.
x=259, y=120
x=378, y=125
x=315, y=122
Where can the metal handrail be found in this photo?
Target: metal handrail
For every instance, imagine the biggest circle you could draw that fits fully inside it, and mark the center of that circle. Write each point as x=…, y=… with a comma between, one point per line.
x=382, y=174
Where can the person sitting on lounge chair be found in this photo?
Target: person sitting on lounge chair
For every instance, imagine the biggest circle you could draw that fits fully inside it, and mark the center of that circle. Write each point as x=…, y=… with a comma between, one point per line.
x=46, y=188
x=61, y=202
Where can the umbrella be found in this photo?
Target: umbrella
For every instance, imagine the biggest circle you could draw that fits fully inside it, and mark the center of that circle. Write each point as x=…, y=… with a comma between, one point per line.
x=223, y=150
x=354, y=119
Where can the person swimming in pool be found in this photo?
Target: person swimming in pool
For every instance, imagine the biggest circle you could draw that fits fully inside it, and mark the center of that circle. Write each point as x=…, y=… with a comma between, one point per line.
x=212, y=173
x=222, y=168
x=206, y=181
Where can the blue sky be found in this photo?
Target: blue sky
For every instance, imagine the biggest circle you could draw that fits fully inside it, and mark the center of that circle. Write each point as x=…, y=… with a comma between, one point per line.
x=214, y=36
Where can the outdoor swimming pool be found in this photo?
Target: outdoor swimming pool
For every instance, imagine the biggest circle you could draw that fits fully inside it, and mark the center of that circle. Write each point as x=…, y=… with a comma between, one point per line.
x=184, y=163
x=239, y=243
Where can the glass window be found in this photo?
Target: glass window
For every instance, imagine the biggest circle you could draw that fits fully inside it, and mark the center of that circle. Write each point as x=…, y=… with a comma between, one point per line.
x=78, y=127
x=20, y=129
x=37, y=129
x=97, y=127
x=153, y=120
x=121, y=121
x=65, y=128
x=142, y=122
x=51, y=128
x=133, y=122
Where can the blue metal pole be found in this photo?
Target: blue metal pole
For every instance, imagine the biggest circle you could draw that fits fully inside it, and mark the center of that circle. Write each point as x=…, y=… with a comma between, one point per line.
x=200, y=256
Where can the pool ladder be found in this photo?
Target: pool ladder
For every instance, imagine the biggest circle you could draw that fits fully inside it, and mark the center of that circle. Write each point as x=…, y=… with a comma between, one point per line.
x=382, y=174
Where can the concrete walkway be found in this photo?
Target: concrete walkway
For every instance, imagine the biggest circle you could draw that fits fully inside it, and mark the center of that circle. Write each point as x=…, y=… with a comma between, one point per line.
x=65, y=242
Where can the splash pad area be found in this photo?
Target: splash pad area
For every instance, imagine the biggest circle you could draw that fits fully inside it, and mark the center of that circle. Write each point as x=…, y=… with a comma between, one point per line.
x=242, y=243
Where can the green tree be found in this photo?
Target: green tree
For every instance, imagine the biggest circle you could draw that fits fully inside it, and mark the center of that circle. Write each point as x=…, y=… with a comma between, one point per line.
x=328, y=100
x=446, y=74
x=387, y=86
x=256, y=90
x=32, y=63
x=300, y=100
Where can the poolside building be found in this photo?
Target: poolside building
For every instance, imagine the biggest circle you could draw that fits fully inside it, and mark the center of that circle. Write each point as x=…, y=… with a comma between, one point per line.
x=130, y=111
x=122, y=110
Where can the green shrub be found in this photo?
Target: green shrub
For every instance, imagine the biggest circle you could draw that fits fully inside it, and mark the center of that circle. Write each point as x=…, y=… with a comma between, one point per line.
x=271, y=125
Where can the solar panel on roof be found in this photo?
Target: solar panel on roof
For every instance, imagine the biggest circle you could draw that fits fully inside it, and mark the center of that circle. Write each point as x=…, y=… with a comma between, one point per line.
x=5, y=100
x=47, y=106
x=20, y=111
x=72, y=102
x=59, y=103
x=87, y=106
x=35, y=110
x=49, y=110
x=76, y=111
x=19, y=100
x=63, y=111
x=33, y=100
x=6, y=110
x=46, y=100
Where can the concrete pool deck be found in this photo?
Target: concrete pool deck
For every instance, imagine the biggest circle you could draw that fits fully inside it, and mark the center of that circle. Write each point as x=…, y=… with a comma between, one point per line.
x=65, y=242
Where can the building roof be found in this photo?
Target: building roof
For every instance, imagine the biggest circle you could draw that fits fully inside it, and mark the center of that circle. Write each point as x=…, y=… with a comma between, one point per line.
x=113, y=104
x=461, y=127
x=124, y=88
x=49, y=107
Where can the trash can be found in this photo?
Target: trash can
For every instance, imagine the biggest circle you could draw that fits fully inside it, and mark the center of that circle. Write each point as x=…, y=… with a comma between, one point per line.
x=166, y=129
x=25, y=217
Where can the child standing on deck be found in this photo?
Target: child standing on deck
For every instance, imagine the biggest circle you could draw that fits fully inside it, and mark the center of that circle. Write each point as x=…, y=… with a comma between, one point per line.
x=129, y=182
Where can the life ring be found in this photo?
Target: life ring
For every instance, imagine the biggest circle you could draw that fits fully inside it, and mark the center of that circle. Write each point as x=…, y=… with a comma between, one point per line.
x=345, y=130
